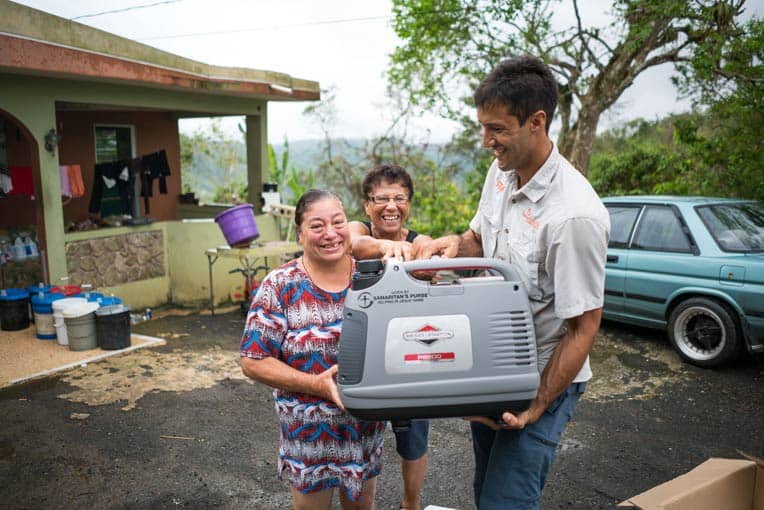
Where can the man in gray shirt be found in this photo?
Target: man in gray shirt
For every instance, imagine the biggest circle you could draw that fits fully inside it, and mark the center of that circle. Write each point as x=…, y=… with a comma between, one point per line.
x=538, y=212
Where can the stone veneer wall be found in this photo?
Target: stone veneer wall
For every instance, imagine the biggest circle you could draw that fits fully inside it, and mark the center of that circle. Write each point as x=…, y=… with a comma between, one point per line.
x=115, y=260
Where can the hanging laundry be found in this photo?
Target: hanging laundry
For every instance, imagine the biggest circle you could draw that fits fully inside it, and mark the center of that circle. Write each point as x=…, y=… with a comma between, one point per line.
x=108, y=175
x=153, y=166
x=75, y=180
x=63, y=175
x=6, y=185
x=21, y=179
x=71, y=181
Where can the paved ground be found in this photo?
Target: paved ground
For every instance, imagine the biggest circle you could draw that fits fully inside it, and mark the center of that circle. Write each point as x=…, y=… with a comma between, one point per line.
x=179, y=427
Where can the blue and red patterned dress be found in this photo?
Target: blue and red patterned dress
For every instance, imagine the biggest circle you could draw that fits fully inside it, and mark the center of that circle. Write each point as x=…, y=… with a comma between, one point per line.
x=321, y=446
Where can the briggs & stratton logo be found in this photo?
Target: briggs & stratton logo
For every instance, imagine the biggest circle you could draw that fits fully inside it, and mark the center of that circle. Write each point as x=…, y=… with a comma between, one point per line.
x=427, y=335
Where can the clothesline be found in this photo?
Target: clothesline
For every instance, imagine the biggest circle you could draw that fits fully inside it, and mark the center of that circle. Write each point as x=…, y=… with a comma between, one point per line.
x=122, y=174
x=17, y=180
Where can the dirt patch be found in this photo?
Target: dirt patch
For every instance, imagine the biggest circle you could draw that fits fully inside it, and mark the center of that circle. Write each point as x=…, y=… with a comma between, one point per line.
x=632, y=370
x=130, y=378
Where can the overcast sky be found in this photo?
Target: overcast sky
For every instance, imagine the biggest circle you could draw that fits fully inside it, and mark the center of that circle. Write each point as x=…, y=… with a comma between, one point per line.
x=341, y=43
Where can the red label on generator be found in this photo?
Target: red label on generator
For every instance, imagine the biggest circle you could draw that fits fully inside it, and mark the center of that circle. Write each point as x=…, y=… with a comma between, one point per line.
x=429, y=356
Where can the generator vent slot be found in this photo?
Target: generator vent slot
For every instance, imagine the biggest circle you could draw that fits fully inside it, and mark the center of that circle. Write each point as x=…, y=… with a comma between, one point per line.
x=512, y=339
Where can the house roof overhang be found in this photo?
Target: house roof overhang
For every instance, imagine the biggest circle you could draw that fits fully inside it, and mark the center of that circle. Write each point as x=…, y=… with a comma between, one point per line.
x=36, y=43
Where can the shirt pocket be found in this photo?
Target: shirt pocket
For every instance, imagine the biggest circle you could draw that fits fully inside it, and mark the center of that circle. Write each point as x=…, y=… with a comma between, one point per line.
x=525, y=253
x=490, y=234
x=539, y=280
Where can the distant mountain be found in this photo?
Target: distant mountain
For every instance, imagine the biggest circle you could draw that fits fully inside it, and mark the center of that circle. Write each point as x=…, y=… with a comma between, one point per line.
x=307, y=154
x=206, y=172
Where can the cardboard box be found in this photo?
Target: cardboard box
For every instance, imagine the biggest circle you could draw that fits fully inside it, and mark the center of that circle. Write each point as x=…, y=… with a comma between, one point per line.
x=716, y=484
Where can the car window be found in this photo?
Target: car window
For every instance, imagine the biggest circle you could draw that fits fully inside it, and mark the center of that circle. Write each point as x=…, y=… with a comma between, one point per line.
x=660, y=229
x=735, y=227
x=622, y=218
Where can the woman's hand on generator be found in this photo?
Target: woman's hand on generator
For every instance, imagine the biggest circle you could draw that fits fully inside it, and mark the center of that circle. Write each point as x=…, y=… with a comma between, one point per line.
x=401, y=250
x=326, y=386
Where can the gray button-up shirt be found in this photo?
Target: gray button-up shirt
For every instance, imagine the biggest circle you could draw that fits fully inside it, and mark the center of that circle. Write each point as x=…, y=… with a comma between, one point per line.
x=556, y=230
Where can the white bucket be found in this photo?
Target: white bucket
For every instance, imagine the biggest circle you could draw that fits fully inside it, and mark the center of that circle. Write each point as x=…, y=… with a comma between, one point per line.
x=58, y=316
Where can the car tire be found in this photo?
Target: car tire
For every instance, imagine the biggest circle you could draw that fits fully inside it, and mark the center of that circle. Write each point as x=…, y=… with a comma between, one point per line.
x=704, y=332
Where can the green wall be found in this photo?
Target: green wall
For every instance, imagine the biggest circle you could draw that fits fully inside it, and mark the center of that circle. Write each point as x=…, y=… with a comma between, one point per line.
x=189, y=269
x=186, y=280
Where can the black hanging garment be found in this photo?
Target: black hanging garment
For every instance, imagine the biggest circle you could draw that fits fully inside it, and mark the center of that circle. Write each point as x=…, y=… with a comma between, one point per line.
x=153, y=166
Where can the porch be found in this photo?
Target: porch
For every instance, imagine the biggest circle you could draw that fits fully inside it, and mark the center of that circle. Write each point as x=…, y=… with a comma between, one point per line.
x=74, y=96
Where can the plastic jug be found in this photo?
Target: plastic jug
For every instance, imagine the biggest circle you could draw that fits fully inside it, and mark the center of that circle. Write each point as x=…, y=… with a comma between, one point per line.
x=30, y=247
x=6, y=251
x=19, y=250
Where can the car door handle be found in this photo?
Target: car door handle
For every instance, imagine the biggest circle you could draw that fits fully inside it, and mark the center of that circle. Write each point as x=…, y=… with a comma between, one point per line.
x=612, y=258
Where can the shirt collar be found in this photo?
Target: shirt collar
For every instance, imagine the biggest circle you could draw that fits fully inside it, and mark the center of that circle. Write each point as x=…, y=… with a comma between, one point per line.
x=535, y=189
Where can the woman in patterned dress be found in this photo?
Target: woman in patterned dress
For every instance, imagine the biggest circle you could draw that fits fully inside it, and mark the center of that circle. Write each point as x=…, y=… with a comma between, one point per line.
x=290, y=343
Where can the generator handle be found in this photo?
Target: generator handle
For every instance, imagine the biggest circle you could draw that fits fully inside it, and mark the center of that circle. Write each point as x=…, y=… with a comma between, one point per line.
x=508, y=271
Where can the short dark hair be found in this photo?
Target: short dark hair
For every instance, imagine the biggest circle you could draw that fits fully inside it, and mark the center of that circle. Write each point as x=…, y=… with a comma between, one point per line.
x=393, y=174
x=523, y=85
x=309, y=198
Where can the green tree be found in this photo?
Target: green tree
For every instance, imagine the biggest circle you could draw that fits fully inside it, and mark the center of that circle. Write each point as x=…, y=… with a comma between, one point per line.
x=291, y=181
x=298, y=183
x=219, y=162
x=439, y=204
x=449, y=45
x=278, y=169
x=716, y=150
x=677, y=156
x=188, y=147
x=726, y=146
x=439, y=207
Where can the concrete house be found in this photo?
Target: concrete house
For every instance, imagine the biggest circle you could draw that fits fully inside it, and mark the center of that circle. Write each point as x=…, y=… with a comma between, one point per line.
x=73, y=99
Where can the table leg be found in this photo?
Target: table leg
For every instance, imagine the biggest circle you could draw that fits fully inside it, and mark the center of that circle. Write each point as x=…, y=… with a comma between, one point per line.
x=210, y=262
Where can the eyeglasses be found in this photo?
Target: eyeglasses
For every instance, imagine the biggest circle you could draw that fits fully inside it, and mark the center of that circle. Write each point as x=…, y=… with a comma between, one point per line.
x=384, y=199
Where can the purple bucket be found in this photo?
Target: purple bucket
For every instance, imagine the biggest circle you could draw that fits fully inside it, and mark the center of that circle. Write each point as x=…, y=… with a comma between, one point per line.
x=238, y=225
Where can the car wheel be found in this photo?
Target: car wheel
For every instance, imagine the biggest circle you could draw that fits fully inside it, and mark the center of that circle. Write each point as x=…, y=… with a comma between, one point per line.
x=704, y=332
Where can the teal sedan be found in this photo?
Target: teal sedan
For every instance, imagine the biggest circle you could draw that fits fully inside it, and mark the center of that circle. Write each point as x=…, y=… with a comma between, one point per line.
x=693, y=266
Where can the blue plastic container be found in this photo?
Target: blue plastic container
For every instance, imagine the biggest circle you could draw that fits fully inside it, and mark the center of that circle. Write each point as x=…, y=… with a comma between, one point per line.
x=34, y=289
x=14, y=309
x=108, y=301
x=43, y=314
x=92, y=297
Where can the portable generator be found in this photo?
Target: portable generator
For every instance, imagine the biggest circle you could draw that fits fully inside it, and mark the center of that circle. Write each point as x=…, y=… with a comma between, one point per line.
x=411, y=348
